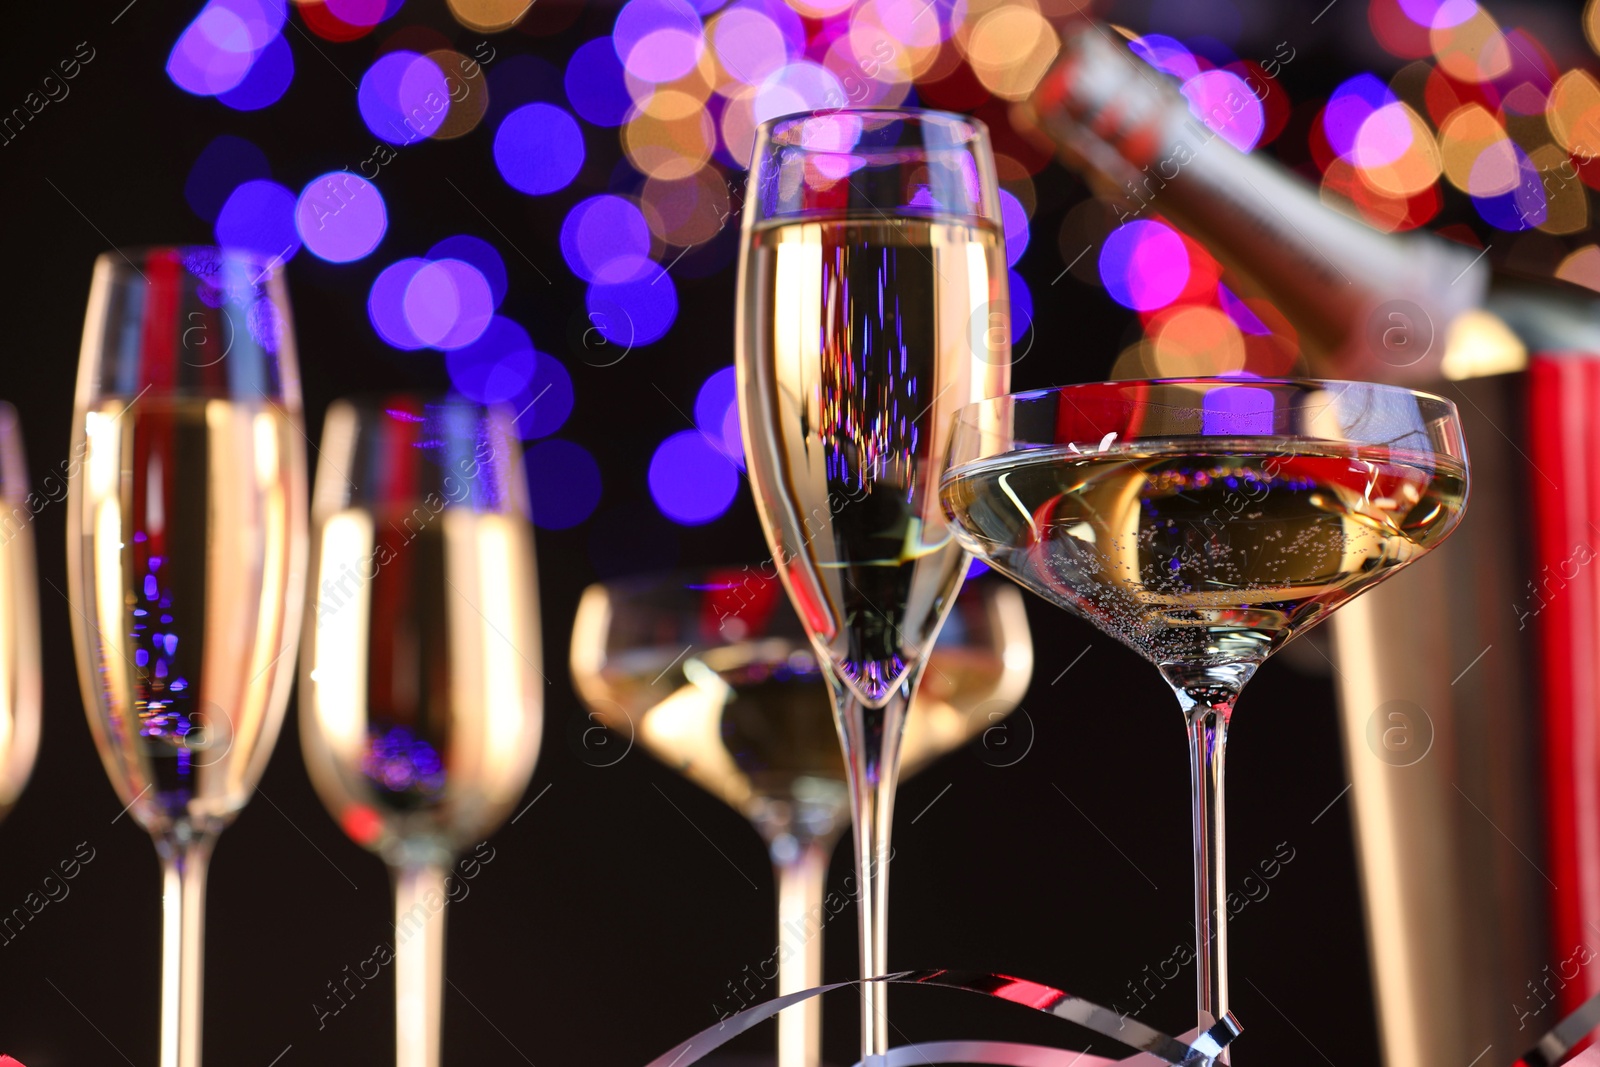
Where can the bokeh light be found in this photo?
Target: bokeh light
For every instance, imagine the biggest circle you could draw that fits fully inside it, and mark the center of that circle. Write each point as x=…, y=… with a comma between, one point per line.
x=469, y=93
x=1581, y=267
x=403, y=97
x=386, y=304
x=495, y=368
x=222, y=166
x=448, y=304
x=1021, y=307
x=595, y=86
x=266, y=81
x=538, y=149
x=634, y=312
x=716, y=412
x=489, y=16
x=563, y=483
x=1014, y=217
x=658, y=40
x=341, y=217
x=259, y=216
x=1348, y=108
x=543, y=405
x=692, y=481
x=689, y=211
x=481, y=254
x=215, y=52
x=1144, y=265
x=606, y=239
x=1010, y=48
x=1222, y=100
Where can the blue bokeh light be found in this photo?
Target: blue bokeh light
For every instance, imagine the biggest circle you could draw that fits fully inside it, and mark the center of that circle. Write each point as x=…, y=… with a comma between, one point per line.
x=1015, y=219
x=1021, y=306
x=480, y=254
x=563, y=483
x=1348, y=107
x=635, y=312
x=543, y=405
x=386, y=304
x=341, y=217
x=496, y=367
x=538, y=149
x=222, y=166
x=403, y=97
x=716, y=412
x=259, y=216
x=595, y=84
x=691, y=480
x=213, y=53
x=606, y=239
x=448, y=304
x=267, y=80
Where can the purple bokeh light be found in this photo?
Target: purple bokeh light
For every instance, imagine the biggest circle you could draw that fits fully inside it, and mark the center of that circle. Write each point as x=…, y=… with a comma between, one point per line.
x=213, y=53
x=750, y=45
x=1144, y=265
x=538, y=149
x=480, y=254
x=386, y=304
x=657, y=40
x=496, y=367
x=403, y=97
x=563, y=483
x=1167, y=54
x=1021, y=306
x=633, y=312
x=222, y=166
x=341, y=217
x=1241, y=410
x=595, y=84
x=691, y=481
x=1348, y=107
x=448, y=304
x=1015, y=219
x=716, y=408
x=1223, y=101
x=259, y=216
x=267, y=80
x=543, y=405
x=606, y=239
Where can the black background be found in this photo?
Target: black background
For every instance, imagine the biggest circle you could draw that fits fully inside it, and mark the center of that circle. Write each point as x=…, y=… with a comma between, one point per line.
x=608, y=923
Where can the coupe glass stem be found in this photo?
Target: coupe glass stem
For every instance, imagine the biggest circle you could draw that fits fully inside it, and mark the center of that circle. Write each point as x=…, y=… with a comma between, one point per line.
x=801, y=868
x=871, y=742
x=1207, y=706
x=185, y=858
x=418, y=963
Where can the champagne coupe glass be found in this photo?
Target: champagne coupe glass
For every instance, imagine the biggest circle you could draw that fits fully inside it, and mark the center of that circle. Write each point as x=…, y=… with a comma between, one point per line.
x=186, y=543
x=714, y=675
x=422, y=701
x=872, y=305
x=1204, y=522
x=19, y=616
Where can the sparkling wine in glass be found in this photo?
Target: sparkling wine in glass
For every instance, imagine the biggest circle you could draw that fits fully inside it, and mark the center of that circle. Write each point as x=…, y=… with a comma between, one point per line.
x=422, y=700
x=186, y=543
x=1203, y=523
x=872, y=305
x=713, y=674
x=20, y=687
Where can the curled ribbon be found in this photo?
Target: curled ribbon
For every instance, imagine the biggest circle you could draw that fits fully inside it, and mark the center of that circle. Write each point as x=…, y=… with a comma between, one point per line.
x=1158, y=1047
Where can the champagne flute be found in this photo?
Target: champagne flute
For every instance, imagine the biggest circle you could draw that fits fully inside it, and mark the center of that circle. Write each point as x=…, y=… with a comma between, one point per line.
x=19, y=617
x=422, y=702
x=1203, y=523
x=872, y=305
x=714, y=675
x=186, y=542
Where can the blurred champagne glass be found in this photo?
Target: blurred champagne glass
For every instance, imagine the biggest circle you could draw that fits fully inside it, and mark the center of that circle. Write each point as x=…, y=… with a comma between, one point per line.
x=422, y=704
x=19, y=618
x=186, y=542
x=714, y=675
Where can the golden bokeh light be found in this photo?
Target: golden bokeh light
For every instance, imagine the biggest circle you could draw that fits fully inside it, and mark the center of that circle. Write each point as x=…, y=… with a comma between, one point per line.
x=1582, y=266
x=1566, y=204
x=1199, y=341
x=469, y=94
x=1395, y=152
x=1574, y=113
x=489, y=16
x=1010, y=49
x=1472, y=51
x=1463, y=137
x=671, y=139
x=688, y=211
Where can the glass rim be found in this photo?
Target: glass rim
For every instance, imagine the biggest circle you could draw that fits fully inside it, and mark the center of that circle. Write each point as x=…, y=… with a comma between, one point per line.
x=962, y=414
x=130, y=256
x=977, y=129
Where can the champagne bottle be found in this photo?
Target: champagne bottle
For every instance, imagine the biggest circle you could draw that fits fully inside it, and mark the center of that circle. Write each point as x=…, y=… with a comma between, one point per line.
x=1408, y=308
x=1458, y=919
